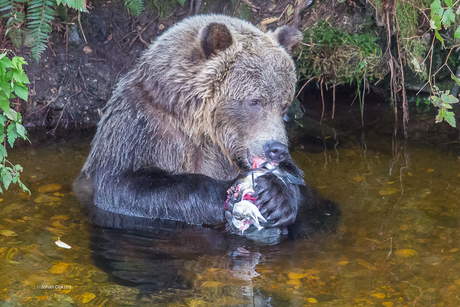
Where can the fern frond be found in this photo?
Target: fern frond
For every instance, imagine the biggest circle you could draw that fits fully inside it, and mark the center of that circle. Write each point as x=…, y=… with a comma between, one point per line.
x=15, y=35
x=5, y=5
x=135, y=7
x=40, y=15
x=13, y=11
x=75, y=4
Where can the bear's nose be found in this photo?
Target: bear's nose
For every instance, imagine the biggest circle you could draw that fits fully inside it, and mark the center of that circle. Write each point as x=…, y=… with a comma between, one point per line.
x=276, y=151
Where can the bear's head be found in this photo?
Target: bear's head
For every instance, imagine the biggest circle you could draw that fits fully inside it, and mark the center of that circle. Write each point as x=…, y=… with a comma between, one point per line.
x=253, y=92
x=224, y=84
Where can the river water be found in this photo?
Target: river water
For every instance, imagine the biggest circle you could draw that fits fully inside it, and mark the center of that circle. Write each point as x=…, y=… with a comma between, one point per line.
x=395, y=243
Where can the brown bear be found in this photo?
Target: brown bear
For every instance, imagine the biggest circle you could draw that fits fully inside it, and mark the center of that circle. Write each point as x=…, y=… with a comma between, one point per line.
x=204, y=100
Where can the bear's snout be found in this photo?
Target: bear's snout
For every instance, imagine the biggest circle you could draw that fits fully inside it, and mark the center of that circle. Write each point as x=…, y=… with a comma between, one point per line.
x=276, y=151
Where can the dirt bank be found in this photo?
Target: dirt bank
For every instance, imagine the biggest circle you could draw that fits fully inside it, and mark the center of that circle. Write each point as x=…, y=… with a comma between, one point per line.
x=86, y=56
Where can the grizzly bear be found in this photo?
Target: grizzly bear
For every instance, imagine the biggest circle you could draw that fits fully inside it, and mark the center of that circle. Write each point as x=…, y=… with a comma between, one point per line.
x=205, y=99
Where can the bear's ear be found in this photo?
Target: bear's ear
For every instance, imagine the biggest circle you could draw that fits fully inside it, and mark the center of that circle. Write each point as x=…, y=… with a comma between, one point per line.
x=215, y=37
x=287, y=37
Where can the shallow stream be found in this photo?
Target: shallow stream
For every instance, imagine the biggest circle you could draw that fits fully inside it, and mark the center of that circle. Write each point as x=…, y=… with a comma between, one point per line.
x=396, y=242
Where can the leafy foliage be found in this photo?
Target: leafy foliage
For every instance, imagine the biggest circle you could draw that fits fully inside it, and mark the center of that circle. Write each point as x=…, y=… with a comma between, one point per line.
x=40, y=15
x=338, y=57
x=135, y=7
x=79, y=5
x=334, y=56
x=14, y=12
x=442, y=17
x=163, y=7
x=443, y=101
x=13, y=82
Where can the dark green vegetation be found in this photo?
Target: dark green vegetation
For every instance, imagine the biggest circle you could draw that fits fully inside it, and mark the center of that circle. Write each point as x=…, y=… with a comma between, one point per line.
x=40, y=14
x=164, y=7
x=392, y=40
x=13, y=82
x=334, y=56
x=337, y=57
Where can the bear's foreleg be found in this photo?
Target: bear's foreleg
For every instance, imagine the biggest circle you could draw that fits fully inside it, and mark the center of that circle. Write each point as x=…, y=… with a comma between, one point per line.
x=153, y=193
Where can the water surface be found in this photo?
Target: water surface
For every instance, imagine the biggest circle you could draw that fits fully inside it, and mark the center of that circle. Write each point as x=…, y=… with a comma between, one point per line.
x=395, y=244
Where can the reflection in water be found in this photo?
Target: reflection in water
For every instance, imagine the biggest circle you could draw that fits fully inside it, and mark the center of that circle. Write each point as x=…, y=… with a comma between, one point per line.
x=245, y=262
x=157, y=255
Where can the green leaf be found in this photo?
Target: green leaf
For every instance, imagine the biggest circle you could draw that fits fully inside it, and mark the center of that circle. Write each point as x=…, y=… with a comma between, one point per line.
x=76, y=4
x=6, y=176
x=7, y=92
x=3, y=120
x=448, y=116
x=3, y=151
x=448, y=18
x=18, y=61
x=5, y=86
x=181, y=2
x=23, y=79
x=23, y=186
x=5, y=62
x=435, y=22
x=21, y=131
x=440, y=116
x=40, y=14
x=449, y=99
x=4, y=104
x=12, y=115
x=457, y=33
x=448, y=3
x=11, y=134
x=450, y=119
x=15, y=177
x=455, y=79
x=21, y=91
x=435, y=100
x=436, y=8
x=438, y=36
x=135, y=7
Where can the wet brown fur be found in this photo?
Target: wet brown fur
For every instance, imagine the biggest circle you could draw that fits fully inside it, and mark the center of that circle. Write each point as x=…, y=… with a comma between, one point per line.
x=186, y=106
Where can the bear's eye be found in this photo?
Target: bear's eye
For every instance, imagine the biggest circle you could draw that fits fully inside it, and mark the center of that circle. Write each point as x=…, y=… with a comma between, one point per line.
x=255, y=102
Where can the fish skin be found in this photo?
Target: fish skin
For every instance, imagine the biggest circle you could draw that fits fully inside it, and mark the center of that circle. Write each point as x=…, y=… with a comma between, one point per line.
x=246, y=211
